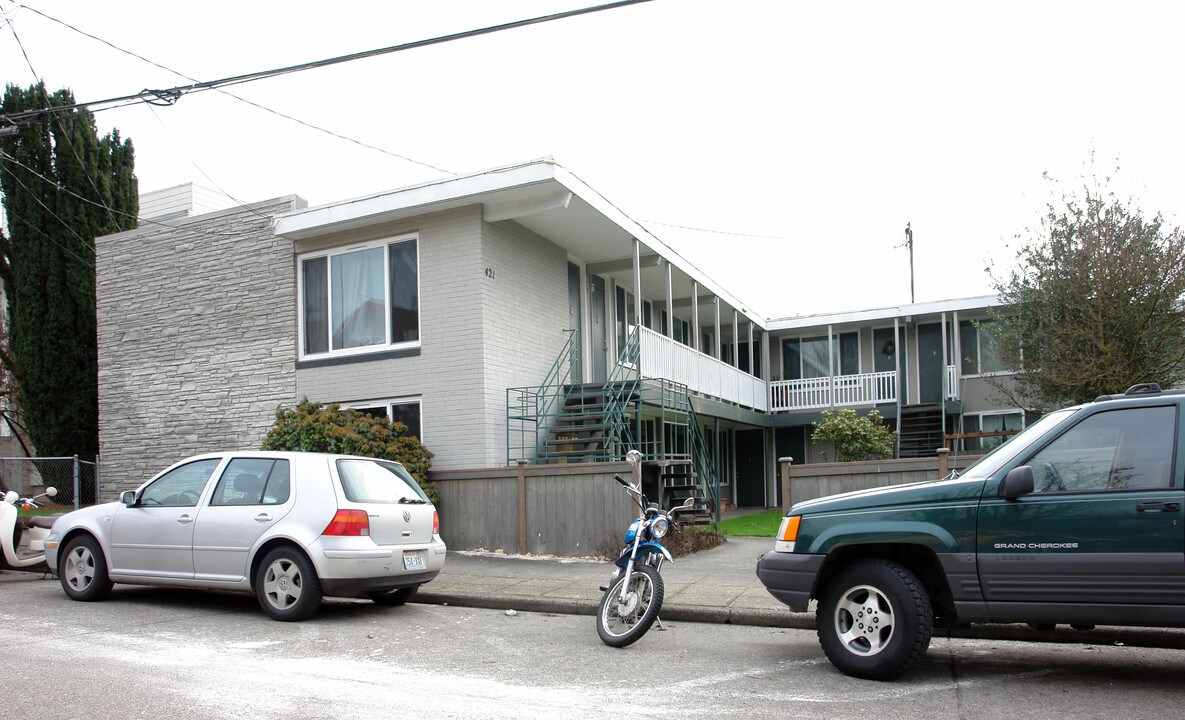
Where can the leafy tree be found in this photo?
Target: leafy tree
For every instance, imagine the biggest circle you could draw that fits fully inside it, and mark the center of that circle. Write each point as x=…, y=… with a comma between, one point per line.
x=855, y=437
x=63, y=186
x=1094, y=304
x=313, y=427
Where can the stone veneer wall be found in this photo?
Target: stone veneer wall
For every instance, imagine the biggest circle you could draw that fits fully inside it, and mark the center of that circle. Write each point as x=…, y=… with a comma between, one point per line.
x=197, y=338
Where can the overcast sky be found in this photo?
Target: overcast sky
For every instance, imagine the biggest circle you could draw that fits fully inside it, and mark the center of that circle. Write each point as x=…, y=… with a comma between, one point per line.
x=779, y=146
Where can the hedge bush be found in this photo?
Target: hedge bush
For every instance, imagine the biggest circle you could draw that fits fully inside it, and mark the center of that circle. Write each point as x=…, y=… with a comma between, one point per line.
x=313, y=427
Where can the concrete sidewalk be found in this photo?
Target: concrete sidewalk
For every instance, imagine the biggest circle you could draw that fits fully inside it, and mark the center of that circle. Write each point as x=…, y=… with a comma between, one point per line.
x=713, y=586
x=718, y=585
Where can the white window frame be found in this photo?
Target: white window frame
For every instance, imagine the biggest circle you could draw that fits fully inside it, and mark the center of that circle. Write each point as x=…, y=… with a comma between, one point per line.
x=385, y=244
x=979, y=331
x=987, y=413
x=387, y=404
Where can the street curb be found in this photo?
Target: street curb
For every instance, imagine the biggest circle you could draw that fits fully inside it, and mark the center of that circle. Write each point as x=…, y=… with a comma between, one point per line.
x=1119, y=636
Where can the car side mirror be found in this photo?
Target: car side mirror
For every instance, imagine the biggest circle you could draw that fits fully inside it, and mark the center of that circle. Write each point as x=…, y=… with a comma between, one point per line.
x=128, y=498
x=1018, y=481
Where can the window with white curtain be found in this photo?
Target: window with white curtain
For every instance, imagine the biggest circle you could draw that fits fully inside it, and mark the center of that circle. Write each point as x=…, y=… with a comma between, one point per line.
x=360, y=299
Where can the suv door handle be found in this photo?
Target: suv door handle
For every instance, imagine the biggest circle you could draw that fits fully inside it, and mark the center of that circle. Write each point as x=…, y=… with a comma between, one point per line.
x=1158, y=507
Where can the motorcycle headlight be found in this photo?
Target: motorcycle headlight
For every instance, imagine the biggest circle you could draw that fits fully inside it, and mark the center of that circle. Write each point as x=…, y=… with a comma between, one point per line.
x=659, y=527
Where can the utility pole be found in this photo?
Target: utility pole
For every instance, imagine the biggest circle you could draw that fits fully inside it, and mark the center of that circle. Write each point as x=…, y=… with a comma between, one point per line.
x=909, y=244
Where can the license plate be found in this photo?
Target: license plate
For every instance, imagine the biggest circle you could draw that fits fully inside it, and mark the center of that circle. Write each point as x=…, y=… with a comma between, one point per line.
x=413, y=560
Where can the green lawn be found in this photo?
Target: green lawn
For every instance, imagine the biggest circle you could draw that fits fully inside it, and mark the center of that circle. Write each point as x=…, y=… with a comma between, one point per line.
x=764, y=524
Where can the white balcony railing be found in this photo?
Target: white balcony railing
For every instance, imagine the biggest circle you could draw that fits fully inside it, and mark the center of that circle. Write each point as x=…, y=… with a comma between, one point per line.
x=663, y=357
x=843, y=390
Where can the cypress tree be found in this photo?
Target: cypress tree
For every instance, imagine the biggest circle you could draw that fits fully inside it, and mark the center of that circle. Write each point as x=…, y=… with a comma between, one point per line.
x=62, y=187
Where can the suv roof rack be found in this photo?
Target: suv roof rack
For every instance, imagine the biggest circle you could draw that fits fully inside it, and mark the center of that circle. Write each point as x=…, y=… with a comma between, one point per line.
x=1140, y=389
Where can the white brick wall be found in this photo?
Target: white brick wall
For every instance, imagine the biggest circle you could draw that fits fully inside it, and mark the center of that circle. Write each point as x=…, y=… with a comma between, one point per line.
x=447, y=374
x=198, y=341
x=479, y=334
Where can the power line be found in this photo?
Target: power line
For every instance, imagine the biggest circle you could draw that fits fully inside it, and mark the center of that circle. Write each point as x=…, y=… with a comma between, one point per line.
x=143, y=221
x=169, y=96
x=237, y=97
x=748, y=235
x=61, y=125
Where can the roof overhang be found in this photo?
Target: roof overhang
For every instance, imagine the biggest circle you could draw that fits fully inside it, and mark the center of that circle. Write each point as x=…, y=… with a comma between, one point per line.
x=910, y=312
x=547, y=199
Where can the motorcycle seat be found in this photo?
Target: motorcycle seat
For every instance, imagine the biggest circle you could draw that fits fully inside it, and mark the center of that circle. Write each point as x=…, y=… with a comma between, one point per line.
x=43, y=521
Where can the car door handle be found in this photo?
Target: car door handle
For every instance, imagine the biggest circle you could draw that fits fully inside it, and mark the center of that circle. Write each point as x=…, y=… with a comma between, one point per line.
x=263, y=517
x=184, y=519
x=1158, y=507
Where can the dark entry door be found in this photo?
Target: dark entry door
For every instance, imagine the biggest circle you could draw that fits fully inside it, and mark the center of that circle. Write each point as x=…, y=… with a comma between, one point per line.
x=930, y=364
x=750, y=468
x=791, y=443
x=574, y=293
x=598, y=341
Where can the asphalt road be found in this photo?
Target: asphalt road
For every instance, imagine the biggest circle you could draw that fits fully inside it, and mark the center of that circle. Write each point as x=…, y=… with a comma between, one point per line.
x=152, y=653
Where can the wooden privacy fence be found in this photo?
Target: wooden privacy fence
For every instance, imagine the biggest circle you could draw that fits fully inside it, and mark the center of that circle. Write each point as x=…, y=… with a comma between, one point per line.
x=569, y=510
x=807, y=482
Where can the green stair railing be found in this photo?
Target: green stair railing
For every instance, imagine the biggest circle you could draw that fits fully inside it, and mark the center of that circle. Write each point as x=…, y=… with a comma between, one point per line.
x=705, y=468
x=531, y=411
x=622, y=405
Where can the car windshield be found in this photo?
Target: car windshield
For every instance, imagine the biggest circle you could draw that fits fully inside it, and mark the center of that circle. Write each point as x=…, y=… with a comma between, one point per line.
x=374, y=481
x=996, y=459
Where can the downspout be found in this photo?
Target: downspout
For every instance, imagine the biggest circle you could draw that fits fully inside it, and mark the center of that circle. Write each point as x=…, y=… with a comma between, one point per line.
x=897, y=360
x=958, y=342
x=945, y=364
x=638, y=329
x=830, y=368
x=765, y=370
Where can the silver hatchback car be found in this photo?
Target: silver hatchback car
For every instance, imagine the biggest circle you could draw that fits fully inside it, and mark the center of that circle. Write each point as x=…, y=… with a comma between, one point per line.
x=290, y=527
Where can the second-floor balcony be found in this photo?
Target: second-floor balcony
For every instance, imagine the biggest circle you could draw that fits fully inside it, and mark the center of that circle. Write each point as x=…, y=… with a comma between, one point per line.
x=663, y=357
x=838, y=391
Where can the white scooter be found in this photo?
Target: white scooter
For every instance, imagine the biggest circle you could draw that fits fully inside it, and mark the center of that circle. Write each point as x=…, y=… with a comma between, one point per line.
x=19, y=555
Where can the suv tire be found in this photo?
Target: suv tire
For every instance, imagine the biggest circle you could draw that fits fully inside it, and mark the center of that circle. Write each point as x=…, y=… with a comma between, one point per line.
x=874, y=619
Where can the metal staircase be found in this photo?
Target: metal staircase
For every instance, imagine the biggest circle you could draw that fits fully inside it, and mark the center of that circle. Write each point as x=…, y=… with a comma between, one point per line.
x=920, y=431
x=561, y=422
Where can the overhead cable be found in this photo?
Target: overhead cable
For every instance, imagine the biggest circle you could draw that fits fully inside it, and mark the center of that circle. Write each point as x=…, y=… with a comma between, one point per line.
x=169, y=96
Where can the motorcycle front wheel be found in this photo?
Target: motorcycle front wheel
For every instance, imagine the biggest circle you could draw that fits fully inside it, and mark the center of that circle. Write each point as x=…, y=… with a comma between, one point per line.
x=622, y=622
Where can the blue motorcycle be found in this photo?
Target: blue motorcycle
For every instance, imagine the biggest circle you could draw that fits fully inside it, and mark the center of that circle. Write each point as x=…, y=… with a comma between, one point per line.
x=634, y=594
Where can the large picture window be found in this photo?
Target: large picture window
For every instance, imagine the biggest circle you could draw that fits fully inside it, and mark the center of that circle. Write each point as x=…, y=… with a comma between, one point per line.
x=811, y=358
x=979, y=348
x=360, y=299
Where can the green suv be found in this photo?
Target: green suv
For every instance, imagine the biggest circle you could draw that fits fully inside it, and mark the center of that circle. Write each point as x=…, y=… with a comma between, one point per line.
x=1077, y=520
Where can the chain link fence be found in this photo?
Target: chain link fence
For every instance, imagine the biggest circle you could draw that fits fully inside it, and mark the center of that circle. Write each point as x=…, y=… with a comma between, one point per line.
x=77, y=481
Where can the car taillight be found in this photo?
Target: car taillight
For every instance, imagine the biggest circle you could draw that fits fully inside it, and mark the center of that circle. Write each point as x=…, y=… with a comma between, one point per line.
x=435, y=523
x=348, y=522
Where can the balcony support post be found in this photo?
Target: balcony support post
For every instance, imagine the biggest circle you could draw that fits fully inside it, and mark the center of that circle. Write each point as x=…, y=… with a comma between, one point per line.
x=716, y=339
